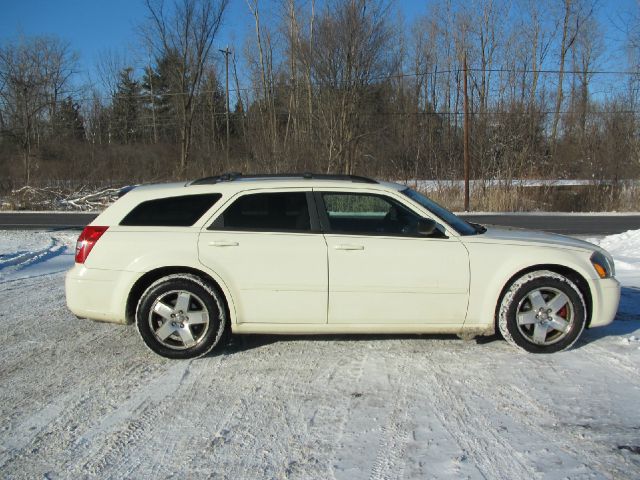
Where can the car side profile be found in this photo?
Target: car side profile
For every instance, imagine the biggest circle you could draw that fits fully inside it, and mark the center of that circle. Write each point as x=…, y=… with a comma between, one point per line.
x=188, y=263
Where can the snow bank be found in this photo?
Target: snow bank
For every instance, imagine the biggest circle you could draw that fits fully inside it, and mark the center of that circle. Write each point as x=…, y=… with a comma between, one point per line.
x=625, y=249
x=432, y=185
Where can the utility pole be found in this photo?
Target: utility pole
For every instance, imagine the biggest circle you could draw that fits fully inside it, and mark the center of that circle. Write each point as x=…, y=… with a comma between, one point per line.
x=153, y=103
x=466, y=138
x=227, y=52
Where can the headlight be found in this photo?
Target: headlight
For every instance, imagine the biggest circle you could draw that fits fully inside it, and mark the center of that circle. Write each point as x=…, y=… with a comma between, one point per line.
x=603, y=265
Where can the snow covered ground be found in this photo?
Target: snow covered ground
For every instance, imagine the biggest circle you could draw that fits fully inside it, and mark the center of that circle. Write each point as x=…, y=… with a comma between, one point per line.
x=431, y=185
x=80, y=399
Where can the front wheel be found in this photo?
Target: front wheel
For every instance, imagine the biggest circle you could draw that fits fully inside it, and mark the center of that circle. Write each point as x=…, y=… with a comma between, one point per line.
x=542, y=312
x=180, y=316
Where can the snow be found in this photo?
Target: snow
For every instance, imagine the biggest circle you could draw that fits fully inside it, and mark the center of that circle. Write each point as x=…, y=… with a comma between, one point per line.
x=50, y=198
x=548, y=214
x=625, y=247
x=431, y=185
x=80, y=399
x=35, y=253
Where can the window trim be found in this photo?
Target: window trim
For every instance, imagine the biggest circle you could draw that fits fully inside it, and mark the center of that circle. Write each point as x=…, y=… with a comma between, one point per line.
x=326, y=225
x=314, y=222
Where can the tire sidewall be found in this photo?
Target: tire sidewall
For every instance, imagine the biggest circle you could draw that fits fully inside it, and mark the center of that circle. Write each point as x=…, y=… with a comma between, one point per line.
x=190, y=283
x=519, y=289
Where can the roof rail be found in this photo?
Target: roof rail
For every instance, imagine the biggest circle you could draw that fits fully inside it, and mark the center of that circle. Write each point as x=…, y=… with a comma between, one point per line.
x=231, y=176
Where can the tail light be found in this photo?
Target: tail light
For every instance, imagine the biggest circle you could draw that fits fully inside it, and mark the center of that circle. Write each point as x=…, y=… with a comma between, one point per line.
x=88, y=238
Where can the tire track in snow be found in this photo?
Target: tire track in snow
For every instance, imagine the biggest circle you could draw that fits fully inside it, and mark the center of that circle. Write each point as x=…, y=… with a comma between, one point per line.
x=343, y=408
x=538, y=434
x=119, y=430
x=631, y=368
x=388, y=463
x=545, y=443
x=12, y=263
x=474, y=434
x=302, y=453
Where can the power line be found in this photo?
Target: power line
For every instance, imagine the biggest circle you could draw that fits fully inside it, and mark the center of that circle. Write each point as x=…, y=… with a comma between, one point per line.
x=340, y=83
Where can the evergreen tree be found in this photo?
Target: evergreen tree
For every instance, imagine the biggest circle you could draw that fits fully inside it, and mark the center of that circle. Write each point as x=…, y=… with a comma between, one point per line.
x=126, y=124
x=68, y=122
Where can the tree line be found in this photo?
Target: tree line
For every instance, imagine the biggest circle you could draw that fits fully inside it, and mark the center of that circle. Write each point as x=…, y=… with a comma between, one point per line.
x=344, y=86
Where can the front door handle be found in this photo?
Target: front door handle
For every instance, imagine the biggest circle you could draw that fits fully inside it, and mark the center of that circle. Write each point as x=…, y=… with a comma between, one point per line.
x=347, y=246
x=223, y=243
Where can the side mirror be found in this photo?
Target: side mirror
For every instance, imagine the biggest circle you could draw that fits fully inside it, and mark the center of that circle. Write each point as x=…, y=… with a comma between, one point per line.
x=427, y=227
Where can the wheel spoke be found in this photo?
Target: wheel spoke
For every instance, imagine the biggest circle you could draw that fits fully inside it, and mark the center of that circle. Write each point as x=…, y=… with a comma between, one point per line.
x=163, y=310
x=559, y=301
x=540, y=333
x=172, y=316
x=196, y=318
x=536, y=299
x=182, y=304
x=559, y=323
x=186, y=336
x=165, y=330
x=527, y=318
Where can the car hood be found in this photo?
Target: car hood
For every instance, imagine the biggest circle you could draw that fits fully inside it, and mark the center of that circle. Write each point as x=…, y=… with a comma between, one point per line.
x=519, y=236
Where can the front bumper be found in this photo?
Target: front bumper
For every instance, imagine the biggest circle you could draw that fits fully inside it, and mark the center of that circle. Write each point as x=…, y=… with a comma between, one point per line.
x=605, y=300
x=98, y=294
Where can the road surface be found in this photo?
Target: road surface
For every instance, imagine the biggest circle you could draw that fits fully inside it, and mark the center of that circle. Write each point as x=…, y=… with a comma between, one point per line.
x=568, y=224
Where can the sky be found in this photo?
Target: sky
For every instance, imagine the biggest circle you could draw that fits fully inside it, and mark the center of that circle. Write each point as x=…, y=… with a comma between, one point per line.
x=95, y=26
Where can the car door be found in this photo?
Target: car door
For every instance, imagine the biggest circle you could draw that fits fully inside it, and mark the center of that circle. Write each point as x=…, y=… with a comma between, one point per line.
x=268, y=248
x=381, y=271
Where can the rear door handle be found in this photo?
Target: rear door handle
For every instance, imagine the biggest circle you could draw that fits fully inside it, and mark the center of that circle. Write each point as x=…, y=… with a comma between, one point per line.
x=223, y=243
x=347, y=246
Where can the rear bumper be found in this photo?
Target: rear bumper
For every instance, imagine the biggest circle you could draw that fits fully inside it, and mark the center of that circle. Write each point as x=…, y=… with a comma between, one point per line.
x=98, y=294
x=606, y=297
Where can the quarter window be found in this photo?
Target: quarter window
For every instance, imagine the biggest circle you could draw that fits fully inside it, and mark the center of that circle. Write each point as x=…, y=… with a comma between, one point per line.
x=287, y=211
x=368, y=213
x=181, y=211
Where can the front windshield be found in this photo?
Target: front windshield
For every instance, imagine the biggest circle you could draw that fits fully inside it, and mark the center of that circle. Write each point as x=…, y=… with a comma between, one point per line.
x=459, y=225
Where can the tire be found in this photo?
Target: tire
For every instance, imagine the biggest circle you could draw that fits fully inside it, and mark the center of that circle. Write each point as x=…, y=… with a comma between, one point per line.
x=180, y=316
x=542, y=312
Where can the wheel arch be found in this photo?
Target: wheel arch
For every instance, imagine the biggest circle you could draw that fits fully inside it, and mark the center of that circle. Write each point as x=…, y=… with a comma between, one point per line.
x=563, y=270
x=142, y=283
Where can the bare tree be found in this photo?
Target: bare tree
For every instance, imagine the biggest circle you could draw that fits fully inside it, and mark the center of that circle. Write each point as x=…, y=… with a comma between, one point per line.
x=575, y=13
x=34, y=74
x=267, y=105
x=186, y=31
x=352, y=46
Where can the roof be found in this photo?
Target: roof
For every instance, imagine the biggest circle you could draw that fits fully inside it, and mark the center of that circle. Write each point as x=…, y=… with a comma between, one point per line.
x=238, y=182
x=236, y=176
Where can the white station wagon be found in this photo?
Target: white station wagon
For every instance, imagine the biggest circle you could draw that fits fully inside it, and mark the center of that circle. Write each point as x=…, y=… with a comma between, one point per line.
x=318, y=254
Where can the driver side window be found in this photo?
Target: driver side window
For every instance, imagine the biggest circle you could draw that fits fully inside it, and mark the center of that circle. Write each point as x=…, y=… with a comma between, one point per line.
x=368, y=213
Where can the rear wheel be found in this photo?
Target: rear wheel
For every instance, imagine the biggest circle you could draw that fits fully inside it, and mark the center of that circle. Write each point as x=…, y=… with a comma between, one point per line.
x=180, y=316
x=542, y=312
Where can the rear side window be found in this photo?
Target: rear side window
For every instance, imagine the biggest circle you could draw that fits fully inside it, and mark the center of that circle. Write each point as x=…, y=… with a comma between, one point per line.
x=268, y=212
x=181, y=211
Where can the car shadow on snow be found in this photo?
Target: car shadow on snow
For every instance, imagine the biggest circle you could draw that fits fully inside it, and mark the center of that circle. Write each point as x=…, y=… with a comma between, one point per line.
x=245, y=342
x=627, y=321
